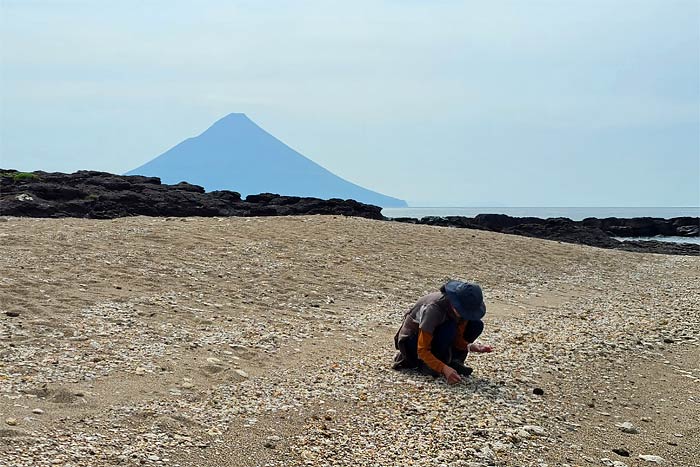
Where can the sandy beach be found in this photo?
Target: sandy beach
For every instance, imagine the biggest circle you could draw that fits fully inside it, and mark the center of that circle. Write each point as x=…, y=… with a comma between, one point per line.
x=268, y=342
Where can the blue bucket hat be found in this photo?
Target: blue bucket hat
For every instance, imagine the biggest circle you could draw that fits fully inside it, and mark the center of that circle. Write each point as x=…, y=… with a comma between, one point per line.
x=467, y=299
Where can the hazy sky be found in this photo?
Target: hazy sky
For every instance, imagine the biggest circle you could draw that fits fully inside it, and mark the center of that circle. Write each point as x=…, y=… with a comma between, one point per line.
x=522, y=102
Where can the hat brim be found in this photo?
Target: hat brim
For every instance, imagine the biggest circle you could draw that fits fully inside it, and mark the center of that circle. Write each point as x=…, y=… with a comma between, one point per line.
x=468, y=314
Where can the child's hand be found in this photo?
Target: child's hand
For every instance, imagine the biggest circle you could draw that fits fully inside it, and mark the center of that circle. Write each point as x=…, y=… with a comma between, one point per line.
x=480, y=348
x=451, y=375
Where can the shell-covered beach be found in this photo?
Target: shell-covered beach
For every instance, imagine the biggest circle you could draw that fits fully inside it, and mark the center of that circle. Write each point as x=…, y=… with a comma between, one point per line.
x=268, y=342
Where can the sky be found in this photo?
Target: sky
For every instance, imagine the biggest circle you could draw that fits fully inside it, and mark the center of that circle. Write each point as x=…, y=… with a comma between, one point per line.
x=440, y=103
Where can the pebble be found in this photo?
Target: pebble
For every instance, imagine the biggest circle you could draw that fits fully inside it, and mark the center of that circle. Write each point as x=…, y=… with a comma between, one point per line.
x=534, y=430
x=538, y=391
x=11, y=421
x=651, y=458
x=627, y=427
x=12, y=314
x=487, y=454
x=621, y=452
x=271, y=442
x=611, y=463
x=37, y=411
x=241, y=373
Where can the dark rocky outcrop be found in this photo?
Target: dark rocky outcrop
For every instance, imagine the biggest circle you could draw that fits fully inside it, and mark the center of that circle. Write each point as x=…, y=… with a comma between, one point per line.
x=646, y=226
x=564, y=230
x=613, y=226
x=593, y=232
x=100, y=195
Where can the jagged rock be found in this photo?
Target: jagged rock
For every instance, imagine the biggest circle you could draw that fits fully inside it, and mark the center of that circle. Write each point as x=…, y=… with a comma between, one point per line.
x=564, y=230
x=500, y=222
x=646, y=226
x=688, y=231
x=101, y=195
x=590, y=231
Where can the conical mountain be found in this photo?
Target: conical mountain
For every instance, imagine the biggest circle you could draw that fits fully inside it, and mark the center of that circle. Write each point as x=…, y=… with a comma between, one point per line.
x=236, y=154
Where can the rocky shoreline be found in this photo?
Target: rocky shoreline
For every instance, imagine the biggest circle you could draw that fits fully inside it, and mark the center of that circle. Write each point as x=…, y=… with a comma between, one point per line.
x=101, y=195
x=600, y=233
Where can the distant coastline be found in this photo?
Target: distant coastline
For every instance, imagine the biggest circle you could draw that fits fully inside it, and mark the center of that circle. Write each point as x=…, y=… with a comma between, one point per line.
x=100, y=195
x=573, y=213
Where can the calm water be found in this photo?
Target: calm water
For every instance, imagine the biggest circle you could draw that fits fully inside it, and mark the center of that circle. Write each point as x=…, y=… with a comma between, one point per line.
x=576, y=213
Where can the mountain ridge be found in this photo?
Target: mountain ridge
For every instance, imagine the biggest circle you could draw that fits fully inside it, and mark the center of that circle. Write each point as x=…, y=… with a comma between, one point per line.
x=235, y=153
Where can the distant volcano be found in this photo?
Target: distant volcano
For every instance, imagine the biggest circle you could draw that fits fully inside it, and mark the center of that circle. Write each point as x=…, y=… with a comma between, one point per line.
x=236, y=154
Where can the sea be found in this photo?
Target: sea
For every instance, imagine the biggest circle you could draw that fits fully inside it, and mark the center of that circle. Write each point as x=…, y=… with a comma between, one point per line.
x=573, y=213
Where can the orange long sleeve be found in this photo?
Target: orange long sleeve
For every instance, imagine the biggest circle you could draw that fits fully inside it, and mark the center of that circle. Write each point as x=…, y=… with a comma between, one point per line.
x=425, y=340
x=460, y=343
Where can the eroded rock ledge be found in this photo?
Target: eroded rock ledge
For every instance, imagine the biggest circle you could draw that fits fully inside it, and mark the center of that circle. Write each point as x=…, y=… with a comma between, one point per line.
x=100, y=195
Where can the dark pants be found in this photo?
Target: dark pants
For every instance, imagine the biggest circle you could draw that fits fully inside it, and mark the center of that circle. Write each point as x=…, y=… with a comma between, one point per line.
x=441, y=346
x=471, y=333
